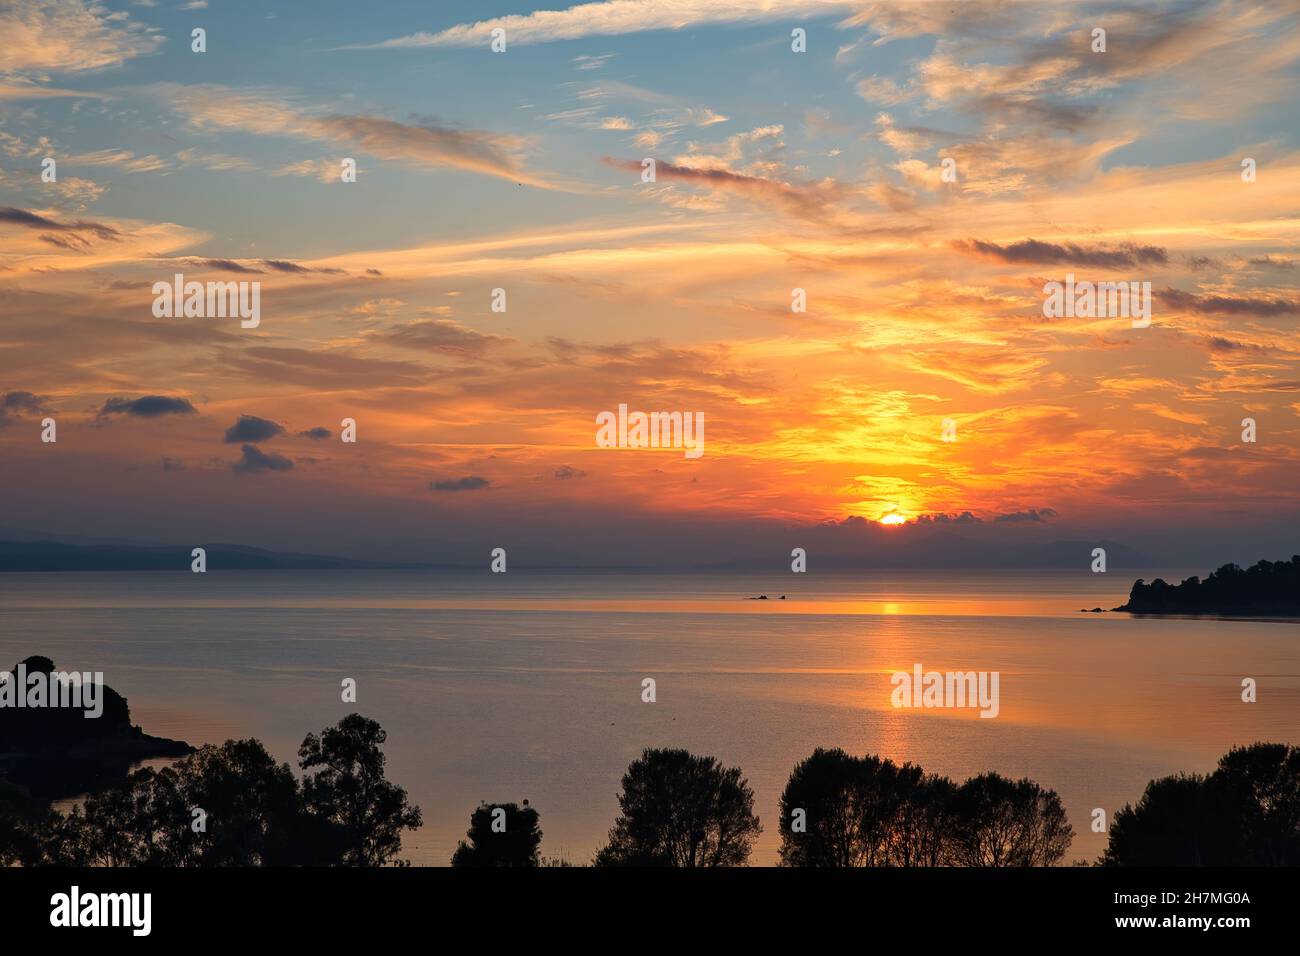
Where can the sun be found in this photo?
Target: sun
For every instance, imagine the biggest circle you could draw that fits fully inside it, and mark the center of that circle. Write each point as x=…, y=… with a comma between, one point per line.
x=893, y=518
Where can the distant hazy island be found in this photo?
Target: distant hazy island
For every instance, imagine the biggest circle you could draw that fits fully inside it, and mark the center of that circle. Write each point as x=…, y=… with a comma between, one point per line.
x=1268, y=588
x=63, y=556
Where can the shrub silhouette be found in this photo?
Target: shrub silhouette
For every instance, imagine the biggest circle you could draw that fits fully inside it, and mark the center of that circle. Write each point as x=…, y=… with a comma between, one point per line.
x=19, y=812
x=867, y=811
x=1246, y=813
x=518, y=844
x=681, y=810
x=255, y=811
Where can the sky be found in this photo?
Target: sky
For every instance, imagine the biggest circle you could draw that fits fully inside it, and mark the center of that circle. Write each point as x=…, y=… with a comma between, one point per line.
x=776, y=170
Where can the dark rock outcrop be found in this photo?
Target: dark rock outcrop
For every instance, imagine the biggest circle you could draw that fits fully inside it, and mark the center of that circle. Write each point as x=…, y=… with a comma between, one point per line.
x=59, y=752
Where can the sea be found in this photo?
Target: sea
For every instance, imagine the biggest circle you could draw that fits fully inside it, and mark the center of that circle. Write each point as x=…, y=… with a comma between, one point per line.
x=530, y=684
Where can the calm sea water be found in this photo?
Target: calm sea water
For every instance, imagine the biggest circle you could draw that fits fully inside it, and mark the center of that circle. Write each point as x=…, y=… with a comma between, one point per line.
x=528, y=685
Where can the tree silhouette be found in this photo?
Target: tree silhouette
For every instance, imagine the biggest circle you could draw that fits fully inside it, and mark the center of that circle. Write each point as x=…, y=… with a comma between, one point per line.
x=517, y=845
x=1001, y=822
x=1262, y=782
x=858, y=811
x=348, y=792
x=826, y=787
x=249, y=804
x=867, y=811
x=924, y=819
x=254, y=812
x=1246, y=813
x=681, y=810
x=1179, y=821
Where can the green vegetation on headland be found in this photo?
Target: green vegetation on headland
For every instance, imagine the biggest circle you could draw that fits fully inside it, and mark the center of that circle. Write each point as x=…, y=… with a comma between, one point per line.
x=1269, y=588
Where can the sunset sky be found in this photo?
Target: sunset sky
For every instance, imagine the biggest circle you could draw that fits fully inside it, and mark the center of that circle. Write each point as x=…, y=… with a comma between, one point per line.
x=776, y=170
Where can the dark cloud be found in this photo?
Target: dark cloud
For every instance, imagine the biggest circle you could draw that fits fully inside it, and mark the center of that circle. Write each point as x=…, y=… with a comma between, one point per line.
x=1269, y=262
x=256, y=460
x=21, y=217
x=565, y=472
x=964, y=518
x=469, y=483
x=21, y=402
x=14, y=405
x=1227, y=304
x=316, y=433
x=1032, y=514
x=227, y=265
x=439, y=335
x=172, y=464
x=147, y=406
x=1217, y=343
x=250, y=428
x=1034, y=251
x=284, y=265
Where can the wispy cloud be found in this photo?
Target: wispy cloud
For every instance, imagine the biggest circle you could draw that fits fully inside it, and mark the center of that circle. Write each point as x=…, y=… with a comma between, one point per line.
x=124, y=159
x=614, y=17
x=69, y=36
x=799, y=200
x=438, y=335
x=427, y=144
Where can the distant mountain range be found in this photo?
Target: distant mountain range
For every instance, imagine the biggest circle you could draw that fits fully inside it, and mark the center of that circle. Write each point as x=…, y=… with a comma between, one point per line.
x=60, y=556
x=22, y=550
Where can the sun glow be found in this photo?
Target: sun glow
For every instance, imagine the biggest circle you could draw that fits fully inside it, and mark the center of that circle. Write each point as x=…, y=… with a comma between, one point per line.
x=893, y=519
